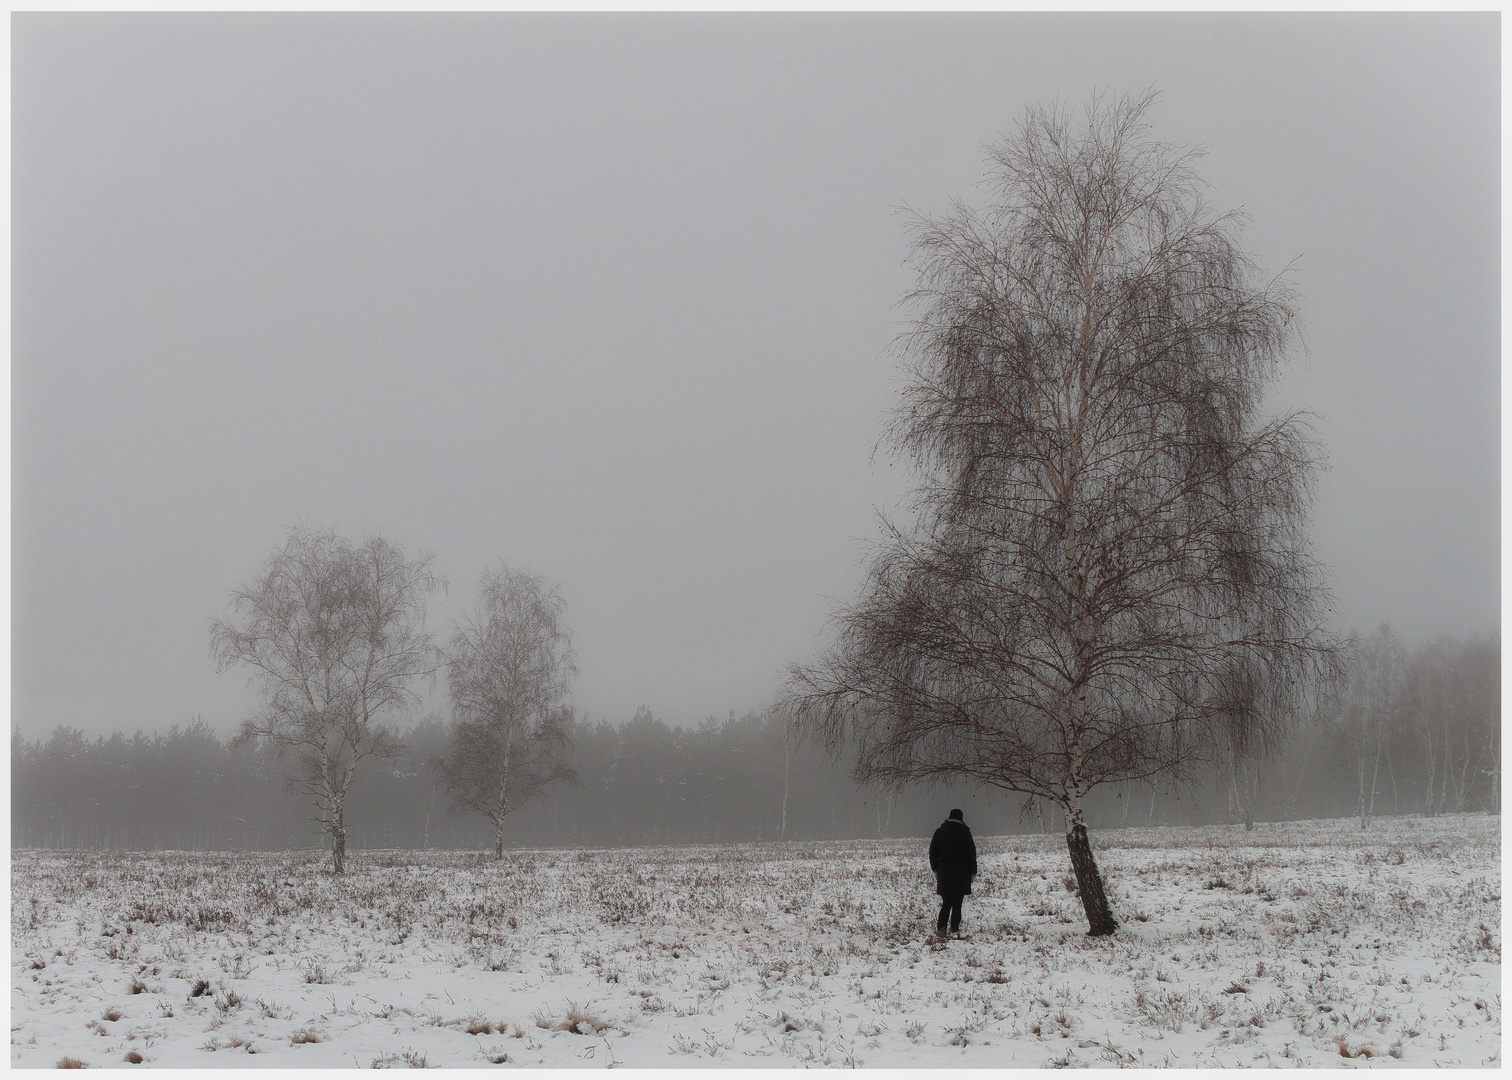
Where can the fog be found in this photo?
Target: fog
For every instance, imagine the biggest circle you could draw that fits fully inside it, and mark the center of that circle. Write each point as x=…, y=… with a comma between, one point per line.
x=611, y=298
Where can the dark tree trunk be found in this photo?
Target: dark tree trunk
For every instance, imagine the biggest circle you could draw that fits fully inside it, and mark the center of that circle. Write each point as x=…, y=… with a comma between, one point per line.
x=1100, y=919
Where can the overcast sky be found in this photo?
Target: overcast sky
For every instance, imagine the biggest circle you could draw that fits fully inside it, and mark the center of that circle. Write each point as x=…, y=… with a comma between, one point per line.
x=610, y=298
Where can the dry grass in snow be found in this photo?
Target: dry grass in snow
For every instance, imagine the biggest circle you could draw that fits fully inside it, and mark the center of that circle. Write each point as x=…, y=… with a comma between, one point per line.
x=1309, y=943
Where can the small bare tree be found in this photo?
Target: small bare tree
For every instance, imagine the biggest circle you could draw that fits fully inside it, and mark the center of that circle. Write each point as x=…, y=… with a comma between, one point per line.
x=509, y=667
x=335, y=637
x=1109, y=552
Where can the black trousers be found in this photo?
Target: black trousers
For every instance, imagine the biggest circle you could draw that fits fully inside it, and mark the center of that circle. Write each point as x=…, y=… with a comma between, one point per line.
x=950, y=907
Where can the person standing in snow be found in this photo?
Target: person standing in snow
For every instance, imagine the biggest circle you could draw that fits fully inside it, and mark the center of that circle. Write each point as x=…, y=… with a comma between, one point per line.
x=952, y=857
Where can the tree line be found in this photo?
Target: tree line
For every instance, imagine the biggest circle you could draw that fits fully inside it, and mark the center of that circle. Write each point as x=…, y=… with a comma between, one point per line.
x=639, y=782
x=645, y=781
x=1419, y=731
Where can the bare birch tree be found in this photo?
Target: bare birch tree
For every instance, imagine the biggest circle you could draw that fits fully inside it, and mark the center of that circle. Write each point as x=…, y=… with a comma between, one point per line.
x=1425, y=692
x=1372, y=709
x=1106, y=528
x=509, y=667
x=335, y=637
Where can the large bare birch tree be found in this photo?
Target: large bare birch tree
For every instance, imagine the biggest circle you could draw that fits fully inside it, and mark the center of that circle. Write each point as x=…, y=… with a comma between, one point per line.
x=1109, y=553
x=335, y=637
x=509, y=668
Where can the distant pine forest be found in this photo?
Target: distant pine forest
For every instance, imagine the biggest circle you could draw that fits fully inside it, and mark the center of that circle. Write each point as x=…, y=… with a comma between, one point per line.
x=647, y=782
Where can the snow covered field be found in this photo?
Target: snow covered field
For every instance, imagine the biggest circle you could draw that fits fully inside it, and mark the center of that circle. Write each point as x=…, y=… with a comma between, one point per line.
x=1309, y=943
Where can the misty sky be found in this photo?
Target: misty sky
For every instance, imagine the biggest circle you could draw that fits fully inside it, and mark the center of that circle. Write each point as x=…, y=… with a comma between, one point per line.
x=611, y=297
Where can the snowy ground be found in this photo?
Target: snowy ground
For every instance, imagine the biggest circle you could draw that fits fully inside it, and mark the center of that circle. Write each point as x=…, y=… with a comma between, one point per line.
x=1307, y=943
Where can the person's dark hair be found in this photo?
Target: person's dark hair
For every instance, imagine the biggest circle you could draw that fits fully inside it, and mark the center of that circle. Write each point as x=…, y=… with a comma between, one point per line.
x=958, y=816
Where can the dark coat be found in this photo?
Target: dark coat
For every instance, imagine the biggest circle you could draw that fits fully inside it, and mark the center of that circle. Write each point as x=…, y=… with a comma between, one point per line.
x=952, y=857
